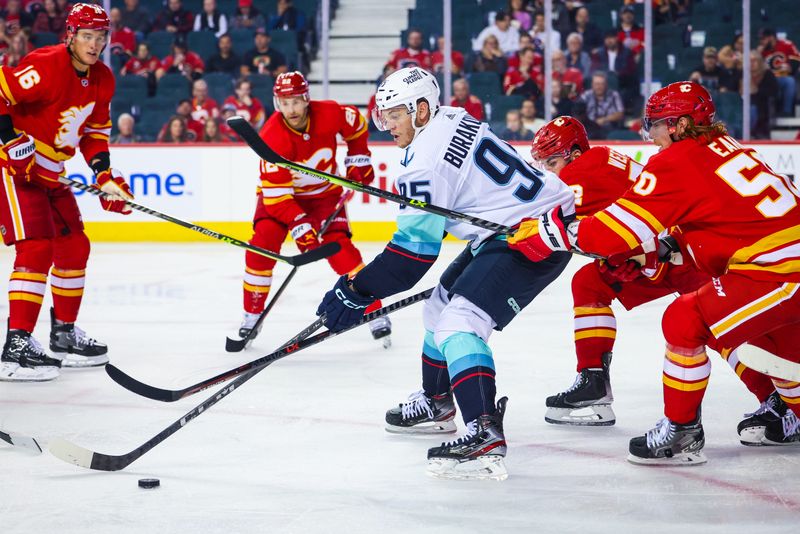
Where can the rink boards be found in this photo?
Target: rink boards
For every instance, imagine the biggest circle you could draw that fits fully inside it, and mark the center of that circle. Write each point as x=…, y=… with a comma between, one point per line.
x=215, y=186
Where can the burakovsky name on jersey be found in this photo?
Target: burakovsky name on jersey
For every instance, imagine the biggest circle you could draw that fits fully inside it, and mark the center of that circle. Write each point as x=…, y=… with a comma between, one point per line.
x=462, y=140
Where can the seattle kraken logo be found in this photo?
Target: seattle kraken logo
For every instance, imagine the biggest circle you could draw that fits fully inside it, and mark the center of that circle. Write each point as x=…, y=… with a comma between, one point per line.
x=407, y=158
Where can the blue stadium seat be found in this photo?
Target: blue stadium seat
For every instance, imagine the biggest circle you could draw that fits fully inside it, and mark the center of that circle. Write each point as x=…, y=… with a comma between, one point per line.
x=174, y=86
x=132, y=87
x=202, y=43
x=160, y=43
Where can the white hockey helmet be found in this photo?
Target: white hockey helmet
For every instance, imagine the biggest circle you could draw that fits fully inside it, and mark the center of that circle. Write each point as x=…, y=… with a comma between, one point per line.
x=406, y=87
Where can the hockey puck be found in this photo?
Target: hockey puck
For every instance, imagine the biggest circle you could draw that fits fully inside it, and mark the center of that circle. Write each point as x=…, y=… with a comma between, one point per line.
x=149, y=483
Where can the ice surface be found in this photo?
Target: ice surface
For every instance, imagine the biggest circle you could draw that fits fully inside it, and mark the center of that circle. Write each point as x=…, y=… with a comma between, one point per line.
x=301, y=448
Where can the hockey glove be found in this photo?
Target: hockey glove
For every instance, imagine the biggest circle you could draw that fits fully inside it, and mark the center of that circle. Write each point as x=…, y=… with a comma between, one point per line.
x=628, y=271
x=359, y=169
x=304, y=233
x=19, y=154
x=538, y=238
x=112, y=182
x=343, y=306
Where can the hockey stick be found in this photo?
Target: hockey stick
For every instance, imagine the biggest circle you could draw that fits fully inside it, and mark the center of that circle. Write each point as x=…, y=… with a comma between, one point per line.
x=263, y=150
x=18, y=440
x=765, y=362
x=295, y=344
x=317, y=254
x=237, y=345
x=77, y=455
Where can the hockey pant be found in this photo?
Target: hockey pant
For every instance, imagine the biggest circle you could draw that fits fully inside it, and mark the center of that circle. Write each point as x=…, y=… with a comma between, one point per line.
x=723, y=314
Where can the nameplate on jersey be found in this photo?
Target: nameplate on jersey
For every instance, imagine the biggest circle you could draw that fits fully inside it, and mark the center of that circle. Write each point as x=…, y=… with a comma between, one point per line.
x=462, y=140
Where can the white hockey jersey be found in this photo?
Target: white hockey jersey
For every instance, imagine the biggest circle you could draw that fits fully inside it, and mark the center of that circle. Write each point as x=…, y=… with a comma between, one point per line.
x=458, y=163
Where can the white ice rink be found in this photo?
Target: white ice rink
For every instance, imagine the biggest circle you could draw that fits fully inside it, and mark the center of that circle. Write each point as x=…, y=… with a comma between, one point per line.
x=301, y=448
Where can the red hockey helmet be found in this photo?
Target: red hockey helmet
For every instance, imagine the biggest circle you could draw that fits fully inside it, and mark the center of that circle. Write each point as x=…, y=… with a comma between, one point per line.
x=677, y=100
x=558, y=137
x=290, y=84
x=87, y=17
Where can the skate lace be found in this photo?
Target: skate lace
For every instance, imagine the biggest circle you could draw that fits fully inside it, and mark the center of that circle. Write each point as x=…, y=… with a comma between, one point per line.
x=766, y=406
x=81, y=339
x=18, y=344
x=660, y=434
x=575, y=385
x=472, y=429
x=417, y=403
x=791, y=424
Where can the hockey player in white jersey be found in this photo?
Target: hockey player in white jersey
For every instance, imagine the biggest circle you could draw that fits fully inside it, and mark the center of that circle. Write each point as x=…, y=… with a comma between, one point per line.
x=454, y=161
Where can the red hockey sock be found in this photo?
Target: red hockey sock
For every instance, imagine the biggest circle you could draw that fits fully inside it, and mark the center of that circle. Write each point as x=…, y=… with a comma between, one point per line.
x=28, y=282
x=790, y=393
x=68, y=275
x=595, y=324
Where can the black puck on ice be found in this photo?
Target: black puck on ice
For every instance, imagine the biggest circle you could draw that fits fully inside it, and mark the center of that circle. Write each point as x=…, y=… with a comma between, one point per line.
x=149, y=483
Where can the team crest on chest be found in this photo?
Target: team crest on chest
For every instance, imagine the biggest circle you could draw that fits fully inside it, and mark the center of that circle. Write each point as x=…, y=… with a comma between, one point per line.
x=71, y=120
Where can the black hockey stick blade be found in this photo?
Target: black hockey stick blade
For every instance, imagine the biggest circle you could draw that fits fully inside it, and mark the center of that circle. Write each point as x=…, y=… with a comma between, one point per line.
x=319, y=253
x=18, y=440
x=82, y=457
x=296, y=344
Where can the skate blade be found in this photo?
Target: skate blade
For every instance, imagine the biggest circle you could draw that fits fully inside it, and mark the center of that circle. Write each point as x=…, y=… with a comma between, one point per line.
x=87, y=361
x=678, y=460
x=438, y=427
x=12, y=375
x=482, y=468
x=387, y=342
x=769, y=443
x=752, y=437
x=594, y=415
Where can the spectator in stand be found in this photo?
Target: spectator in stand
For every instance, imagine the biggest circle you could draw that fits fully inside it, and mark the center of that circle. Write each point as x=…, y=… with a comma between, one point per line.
x=246, y=105
x=261, y=58
x=228, y=111
x=136, y=18
x=5, y=39
x=514, y=131
x=630, y=34
x=571, y=78
x=126, y=135
x=526, y=41
x=212, y=134
x=247, y=17
x=194, y=129
x=413, y=55
x=456, y=59
x=676, y=11
x=203, y=107
x=211, y=19
x=593, y=130
x=730, y=78
x=577, y=57
x=561, y=103
x=16, y=19
x=507, y=35
x=489, y=59
x=709, y=73
x=174, y=18
x=738, y=47
x=50, y=19
x=288, y=17
x=530, y=120
x=20, y=46
x=463, y=99
x=603, y=105
x=520, y=16
x=783, y=59
x=183, y=61
x=592, y=37
x=225, y=60
x=142, y=64
x=540, y=35
x=525, y=80
x=613, y=57
x=764, y=92
x=123, y=40
x=175, y=131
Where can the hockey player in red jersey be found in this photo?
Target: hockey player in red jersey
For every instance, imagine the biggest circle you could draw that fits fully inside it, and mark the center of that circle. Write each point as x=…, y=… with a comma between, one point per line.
x=55, y=102
x=598, y=176
x=305, y=131
x=739, y=222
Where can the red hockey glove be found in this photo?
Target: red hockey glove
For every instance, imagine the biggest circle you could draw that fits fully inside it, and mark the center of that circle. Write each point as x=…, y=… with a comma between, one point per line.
x=19, y=153
x=304, y=233
x=359, y=169
x=112, y=182
x=538, y=238
x=628, y=271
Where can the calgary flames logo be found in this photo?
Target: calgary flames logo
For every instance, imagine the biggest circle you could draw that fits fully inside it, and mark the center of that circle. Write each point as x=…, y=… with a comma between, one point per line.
x=71, y=121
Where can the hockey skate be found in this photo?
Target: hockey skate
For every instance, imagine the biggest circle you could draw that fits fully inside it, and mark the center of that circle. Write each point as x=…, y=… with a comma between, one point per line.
x=751, y=429
x=669, y=444
x=24, y=360
x=587, y=402
x=784, y=431
x=79, y=349
x=248, y=323
x=422, y=414
x=381, y=329
x=478, y=454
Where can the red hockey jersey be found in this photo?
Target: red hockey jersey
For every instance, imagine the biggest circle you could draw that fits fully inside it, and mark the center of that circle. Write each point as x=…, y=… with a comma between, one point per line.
x=59, y=109
x=315, y=147
x=734, y=213
x=598, y=178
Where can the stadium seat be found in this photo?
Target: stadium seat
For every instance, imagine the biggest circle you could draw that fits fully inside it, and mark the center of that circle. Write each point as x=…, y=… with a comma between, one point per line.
x=160, y=43
x=40, y=39
x=501, y=104
x=242, y=41
x=623, y=135
x=485, y=85
x=220, y=86
x=202, y=43
x=262, y=81
x=131, y=87
x=285, y=41
x=174, y=85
